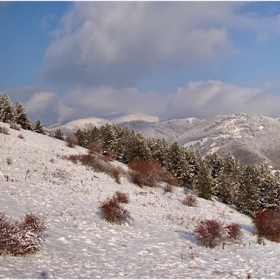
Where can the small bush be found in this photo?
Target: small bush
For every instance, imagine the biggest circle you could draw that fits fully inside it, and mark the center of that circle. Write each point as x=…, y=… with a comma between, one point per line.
x=121, y=197
x=209, y=232
x=233, y=231
x=4, y=130
x=20, y=136
x=9, y=161
x=113, y=212
x=21, y=238
x=190, y=200
x=93, y=148
x=146, y=172
x=15, y=126
x=71, y=141
x=267, y=224
x=168, y=188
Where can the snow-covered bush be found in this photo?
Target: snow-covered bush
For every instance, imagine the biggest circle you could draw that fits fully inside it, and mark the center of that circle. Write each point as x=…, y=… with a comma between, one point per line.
x=146, y=172
x=71, y=141
x=15, y=126
x=209, y=232
x=21, y=238
x=267, y=224
x=233, y=231
x=113, y=211
x=190, y=200
x=121, y=197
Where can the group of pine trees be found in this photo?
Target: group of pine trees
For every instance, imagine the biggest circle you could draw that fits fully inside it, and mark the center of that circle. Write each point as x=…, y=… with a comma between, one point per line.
x=17, y=114
x=249, y=188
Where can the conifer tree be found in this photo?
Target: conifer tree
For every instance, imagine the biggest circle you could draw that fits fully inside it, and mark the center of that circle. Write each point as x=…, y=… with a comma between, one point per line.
x=38, y=127
x=203, y=181
x=7, y=113
x=177, y=163
x=248, y=198
x=58, y=134
x=21, y=116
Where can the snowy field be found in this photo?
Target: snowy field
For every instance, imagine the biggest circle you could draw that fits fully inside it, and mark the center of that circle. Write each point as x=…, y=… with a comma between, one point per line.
x=80, y=244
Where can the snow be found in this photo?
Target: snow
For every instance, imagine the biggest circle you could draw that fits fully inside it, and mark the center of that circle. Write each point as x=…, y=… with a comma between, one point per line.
x=80, y=244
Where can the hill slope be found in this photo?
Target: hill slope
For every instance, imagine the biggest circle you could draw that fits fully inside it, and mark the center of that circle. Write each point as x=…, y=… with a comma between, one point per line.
x=250, y=138
x=80, y=244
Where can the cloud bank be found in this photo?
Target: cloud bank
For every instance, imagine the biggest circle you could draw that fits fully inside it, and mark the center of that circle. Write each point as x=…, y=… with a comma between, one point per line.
x=197, y=99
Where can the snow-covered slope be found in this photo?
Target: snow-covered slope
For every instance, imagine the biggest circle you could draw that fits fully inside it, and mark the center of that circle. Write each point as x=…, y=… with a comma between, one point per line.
x=250, y=138
x=80, y=244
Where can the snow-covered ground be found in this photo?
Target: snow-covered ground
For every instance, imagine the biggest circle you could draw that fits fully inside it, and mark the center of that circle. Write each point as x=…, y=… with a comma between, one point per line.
x=80, y=244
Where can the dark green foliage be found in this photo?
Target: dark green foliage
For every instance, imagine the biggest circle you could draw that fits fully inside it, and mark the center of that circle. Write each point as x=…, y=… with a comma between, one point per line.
x=21, y=117
x=38, y=127
x=58, y=134
x=7, y=113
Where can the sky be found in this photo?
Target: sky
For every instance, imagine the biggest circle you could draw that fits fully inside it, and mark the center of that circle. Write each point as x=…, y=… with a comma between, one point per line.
x=72, y=60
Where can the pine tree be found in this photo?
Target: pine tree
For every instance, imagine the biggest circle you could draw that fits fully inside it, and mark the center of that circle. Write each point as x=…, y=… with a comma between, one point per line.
x=21, y=116
x=203, y=181
x=58, y=134
x=7, y=113
x=38, y=127
x=248, y=198
x=226, y=186
x=177, y=163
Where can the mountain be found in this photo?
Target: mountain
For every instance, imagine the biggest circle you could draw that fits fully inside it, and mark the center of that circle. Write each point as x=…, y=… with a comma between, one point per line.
x=88, y=123
x=37, y=178
x=250, y=138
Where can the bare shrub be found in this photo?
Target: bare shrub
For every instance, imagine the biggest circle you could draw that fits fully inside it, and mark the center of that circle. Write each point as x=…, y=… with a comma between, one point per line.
x=267, y=224
x=146, y=172
x=116, y=173
x=233, y=231
x=15, y=126
x=190, y=200
x=113, y=212
x=9, y=161
x=21, y=238
x=209, y=232
x=20, y=136
x=168, y=188
x=171, y=180
x=4, y=130
x=121, y=197
x=71, y=141
x=93, y=148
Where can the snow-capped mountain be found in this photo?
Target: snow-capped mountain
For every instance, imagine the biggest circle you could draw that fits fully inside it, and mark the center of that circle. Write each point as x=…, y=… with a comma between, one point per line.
x=36, y=178
x=88, y=123
x=250, y=138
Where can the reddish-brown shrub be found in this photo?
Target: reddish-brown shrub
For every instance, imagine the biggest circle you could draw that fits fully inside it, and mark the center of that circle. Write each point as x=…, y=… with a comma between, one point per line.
x=20, y=238
x=20, y=136
x=209, y=232
x=71, y=141
x=93, y=148
x=190, y=200
x=121, y=197
x=171, y=180
x=233, y=231
x=146, y=172
x=116, y=173
x=267, y=224
x=113, y=212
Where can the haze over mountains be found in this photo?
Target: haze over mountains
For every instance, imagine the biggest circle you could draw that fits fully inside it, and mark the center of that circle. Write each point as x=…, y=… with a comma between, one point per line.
x=250, y=138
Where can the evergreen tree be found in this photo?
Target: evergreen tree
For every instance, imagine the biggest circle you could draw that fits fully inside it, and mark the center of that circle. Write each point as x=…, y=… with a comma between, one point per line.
x=58, y=134
x=248, y=198
x=82, y=137
x=203, y=181
x=226, y=185
x=177, y=163
x=21, y=116
x=38, y=127
x=194, y=160
x=7, y=113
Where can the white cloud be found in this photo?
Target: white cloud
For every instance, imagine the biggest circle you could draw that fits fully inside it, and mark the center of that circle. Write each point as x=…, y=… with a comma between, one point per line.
x=114, y=43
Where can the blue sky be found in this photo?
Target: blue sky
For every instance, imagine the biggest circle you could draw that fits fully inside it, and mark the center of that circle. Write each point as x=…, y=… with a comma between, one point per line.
x=71, y=60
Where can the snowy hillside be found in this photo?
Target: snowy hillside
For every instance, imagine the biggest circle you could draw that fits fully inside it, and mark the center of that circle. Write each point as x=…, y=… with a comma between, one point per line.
x=250, y=138
x=80, y=244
